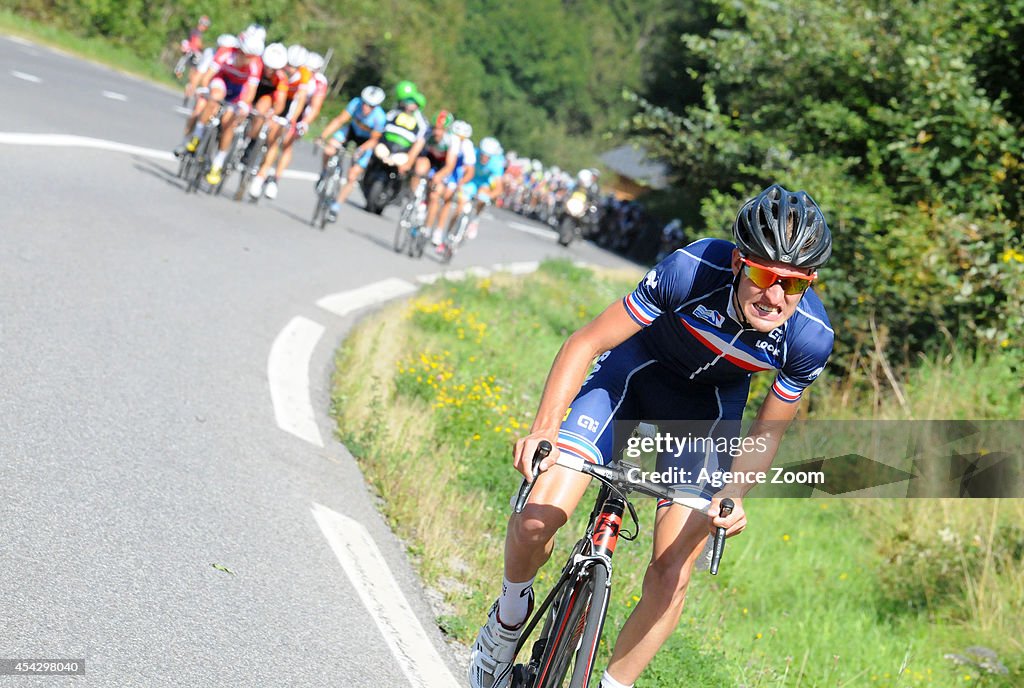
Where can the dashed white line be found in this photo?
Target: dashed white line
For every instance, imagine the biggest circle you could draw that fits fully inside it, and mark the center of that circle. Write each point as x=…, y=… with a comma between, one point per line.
x=72, y=141
x=346, y=302
x=288, y=376
x=546, y=234
x=182, y=110
x=376, y=586
x=113, y=95
x=20, y=41
x=26, y=77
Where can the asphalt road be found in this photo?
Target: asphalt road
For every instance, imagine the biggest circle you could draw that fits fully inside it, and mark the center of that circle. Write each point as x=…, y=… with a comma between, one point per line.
x=138, y=442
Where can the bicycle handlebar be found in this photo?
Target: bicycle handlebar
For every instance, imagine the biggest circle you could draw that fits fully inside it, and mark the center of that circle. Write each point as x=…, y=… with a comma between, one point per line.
x=724, y=509
x=617, y=475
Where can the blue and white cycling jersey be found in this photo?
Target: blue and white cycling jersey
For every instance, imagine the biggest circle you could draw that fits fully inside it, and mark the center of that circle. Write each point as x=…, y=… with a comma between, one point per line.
x=466, y=157
x=485, y=173
x=691, y=363
x=686, y=308
x=361, y=126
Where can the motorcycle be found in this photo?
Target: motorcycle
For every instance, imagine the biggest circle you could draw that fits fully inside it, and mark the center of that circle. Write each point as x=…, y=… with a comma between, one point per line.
x=579, y=218
x=381, y=183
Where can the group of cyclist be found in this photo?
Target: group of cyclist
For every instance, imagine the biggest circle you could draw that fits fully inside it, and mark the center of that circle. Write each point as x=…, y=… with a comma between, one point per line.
x=284, y=87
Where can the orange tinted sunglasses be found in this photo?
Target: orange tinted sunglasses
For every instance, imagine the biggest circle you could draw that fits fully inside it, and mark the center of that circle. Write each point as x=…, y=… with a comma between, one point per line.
x=763, y=278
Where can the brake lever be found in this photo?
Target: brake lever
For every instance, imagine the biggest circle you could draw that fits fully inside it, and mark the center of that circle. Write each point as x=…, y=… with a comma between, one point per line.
x=543, y=450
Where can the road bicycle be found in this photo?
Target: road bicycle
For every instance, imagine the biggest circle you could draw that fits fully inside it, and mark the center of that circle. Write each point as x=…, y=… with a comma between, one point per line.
x=453, y=239
x=335, y=172
x=250, y=155
x=572, y=615
x=410, y=234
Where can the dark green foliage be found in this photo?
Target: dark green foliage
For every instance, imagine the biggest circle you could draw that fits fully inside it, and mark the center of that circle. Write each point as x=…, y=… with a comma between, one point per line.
x=899, y=120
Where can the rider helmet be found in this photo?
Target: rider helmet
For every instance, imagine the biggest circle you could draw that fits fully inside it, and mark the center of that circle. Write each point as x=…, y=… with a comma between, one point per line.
x=372, y=95
x=784, y=226
x=315, y=62
x=275, y=56
x=537, y=165
x=251, y=44
x=405, y=90
x=227, y=40
x=256, y=30
x=490, y=146
x=444, y=120
x=204, y=22
x=462, y=128
x=585, y=177
x=297, y=55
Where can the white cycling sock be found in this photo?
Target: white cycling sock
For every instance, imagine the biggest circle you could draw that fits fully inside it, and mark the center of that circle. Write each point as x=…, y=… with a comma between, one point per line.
x=608, y=682
x=514, y=603
x=219, y=158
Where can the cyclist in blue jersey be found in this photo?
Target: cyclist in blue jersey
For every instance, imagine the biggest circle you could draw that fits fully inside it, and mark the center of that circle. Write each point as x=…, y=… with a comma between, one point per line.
x=447, y=184
x=485, y=185
x=681, y=347
x=363, y=120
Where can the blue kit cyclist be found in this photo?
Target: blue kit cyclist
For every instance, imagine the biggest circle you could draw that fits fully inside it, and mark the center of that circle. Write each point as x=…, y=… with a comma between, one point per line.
x=681, y=347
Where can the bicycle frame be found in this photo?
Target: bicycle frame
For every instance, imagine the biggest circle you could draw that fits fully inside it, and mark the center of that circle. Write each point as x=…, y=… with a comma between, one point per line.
x=574, y=610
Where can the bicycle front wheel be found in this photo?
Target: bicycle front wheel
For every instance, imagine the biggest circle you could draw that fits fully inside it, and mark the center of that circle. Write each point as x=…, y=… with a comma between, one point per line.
x=574, y=632
x=402, y=232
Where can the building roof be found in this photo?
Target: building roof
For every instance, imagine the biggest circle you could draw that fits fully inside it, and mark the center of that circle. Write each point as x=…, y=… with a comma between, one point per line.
x=632, y=162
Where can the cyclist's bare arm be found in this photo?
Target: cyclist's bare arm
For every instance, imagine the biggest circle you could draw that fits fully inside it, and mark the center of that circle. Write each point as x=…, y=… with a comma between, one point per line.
x=336, y=124
x=766, y=433
x=609, y=329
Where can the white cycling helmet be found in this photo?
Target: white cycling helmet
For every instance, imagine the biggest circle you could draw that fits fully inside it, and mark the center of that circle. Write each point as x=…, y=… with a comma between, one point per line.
x=251, y=44
x=256, y=30
x=226, y=40
x=462, y=128
x=315, y=62
x=490, y=146
x=275, y=56
x=555, y=170
x=585, y=177
x=297, y=55
x=373, y=95
x=537, y=165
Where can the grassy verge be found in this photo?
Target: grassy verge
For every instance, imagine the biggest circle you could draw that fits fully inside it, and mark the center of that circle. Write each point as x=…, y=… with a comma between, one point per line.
x=829, y=593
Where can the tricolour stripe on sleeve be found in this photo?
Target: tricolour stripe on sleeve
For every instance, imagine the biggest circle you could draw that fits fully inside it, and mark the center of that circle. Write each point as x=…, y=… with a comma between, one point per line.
x=640, y=309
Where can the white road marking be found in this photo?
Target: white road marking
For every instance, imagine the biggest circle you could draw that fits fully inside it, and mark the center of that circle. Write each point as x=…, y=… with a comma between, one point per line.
x=288, y=376
x=346, y=302
x=14, y=138
x=529, y=229
x=369, y=574
x=115, y=96
x=182, y=110
x=522, y=268
x=26, y=77
x=20, y=41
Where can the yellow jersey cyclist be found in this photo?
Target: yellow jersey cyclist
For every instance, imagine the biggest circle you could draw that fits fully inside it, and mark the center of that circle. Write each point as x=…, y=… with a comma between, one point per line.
x=363, y=120
x=680, y=348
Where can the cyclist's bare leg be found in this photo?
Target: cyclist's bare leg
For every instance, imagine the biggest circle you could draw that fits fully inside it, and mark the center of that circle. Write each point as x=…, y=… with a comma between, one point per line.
x=353, y=177
x=531, y=534
x=227, y=125
x=437, y=198
x=679, y=537
x=273, y=134
x=286, y=155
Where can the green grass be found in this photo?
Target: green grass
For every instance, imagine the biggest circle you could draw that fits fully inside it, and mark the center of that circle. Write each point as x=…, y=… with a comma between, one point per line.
x=815, y=593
